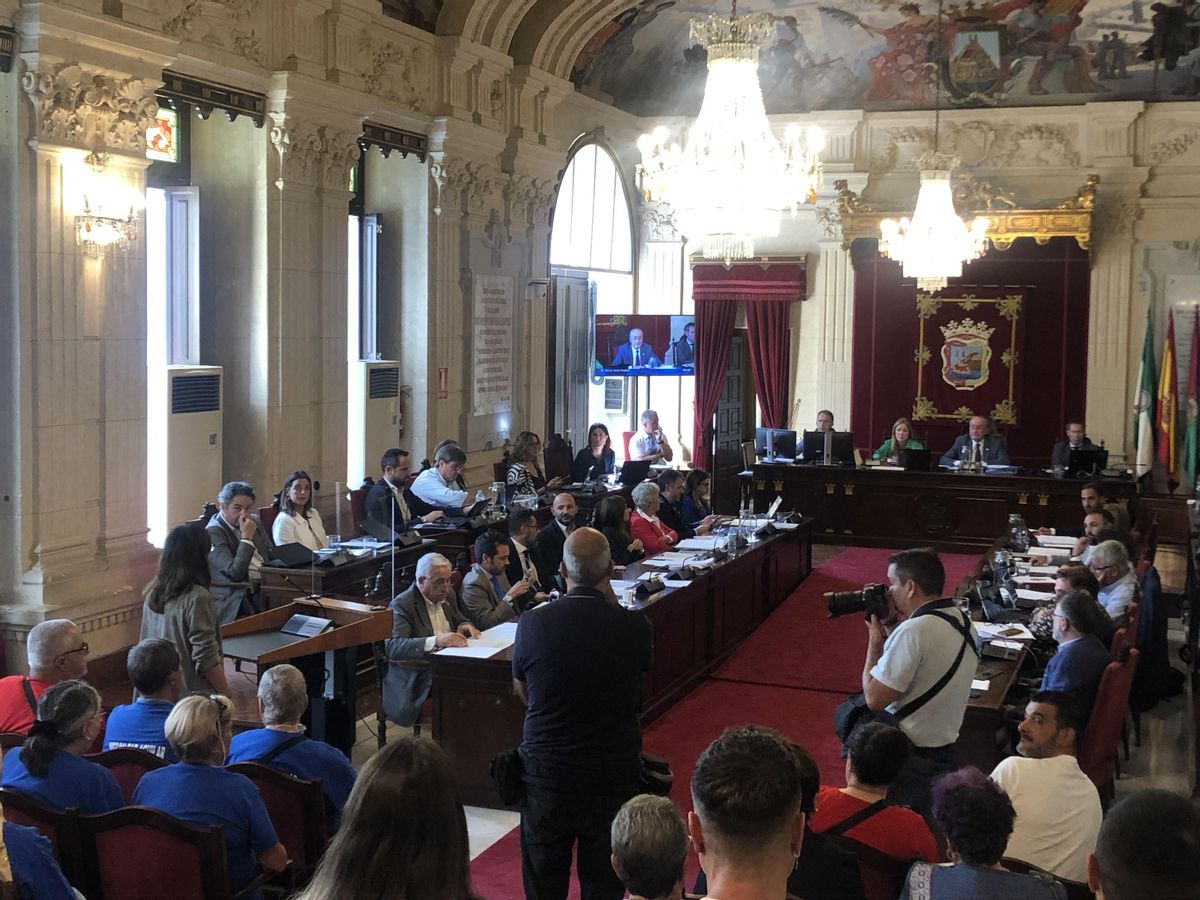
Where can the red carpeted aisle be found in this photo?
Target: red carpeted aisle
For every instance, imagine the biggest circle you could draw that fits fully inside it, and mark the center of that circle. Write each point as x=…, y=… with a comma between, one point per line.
x=789, y=674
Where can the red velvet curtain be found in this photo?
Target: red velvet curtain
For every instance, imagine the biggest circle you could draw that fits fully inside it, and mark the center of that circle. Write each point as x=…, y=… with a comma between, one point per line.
x=767, y=291
x=714, y=333
x=767, y=328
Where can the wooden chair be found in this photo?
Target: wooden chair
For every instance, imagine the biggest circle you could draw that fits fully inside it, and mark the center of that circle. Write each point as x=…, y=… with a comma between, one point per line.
x=297, y=810
x=1076, y=890
x=358, y=507
x=60, y=827
x=1098, y=750
x=138, y=852
x=500, y=470
x=128, y=765
x=882, y=875
x=557, y=458
x=10, y=739
x=266, y=515
x=626, y=437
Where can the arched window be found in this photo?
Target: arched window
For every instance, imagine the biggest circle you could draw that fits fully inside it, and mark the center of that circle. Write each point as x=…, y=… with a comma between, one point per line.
x=592, y=227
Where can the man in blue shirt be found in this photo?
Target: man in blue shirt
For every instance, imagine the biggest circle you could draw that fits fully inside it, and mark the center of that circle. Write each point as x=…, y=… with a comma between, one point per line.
x=1079, y=663
x=577, y=665
x=153, y=666
x=281, y=743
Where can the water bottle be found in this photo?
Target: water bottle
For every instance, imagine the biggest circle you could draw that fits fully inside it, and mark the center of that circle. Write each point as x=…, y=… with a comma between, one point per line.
x=1018, y=534
x=479, y=498
x=1000, y=567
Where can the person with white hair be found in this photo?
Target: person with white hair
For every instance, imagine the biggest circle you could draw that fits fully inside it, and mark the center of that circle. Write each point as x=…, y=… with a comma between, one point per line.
x=425, y=618
x=1118, y=585
x=56, y=652
x=645, y=525
x=650, y=443
x=282, y=744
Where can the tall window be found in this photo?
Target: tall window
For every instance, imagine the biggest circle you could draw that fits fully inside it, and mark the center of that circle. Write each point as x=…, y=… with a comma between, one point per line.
x=592, y=228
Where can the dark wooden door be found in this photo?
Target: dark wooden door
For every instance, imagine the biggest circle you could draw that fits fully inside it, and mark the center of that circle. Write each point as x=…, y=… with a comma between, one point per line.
x=733, y=422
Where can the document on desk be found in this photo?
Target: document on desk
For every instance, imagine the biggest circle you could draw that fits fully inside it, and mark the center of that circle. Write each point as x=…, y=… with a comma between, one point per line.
x=1007, y=631
x=1056, y=540
x=1044, y=553
x=1034, y=579
x=1031, y=594
x=699, y=543
x=487, y=645
x=668, y=560
x=1043, y=570
x=980, y=684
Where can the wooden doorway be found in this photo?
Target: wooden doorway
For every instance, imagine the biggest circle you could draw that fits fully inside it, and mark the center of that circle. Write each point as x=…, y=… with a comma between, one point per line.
x=733, y=423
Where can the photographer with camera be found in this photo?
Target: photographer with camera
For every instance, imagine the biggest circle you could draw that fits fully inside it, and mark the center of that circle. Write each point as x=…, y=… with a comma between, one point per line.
x=919, y=666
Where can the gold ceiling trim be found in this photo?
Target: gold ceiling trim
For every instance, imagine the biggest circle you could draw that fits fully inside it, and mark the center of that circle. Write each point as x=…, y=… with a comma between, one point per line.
x=1070, y=218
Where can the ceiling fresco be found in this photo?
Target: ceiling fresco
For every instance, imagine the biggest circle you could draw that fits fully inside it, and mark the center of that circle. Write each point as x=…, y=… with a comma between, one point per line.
x=885, y=54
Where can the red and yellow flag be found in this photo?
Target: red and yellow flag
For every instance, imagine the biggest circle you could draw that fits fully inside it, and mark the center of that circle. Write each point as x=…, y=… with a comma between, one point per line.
x=1168, y=407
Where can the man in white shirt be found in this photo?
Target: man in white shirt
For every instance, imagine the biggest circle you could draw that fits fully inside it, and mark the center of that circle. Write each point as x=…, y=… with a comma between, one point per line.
x=385, y=502
x=1058, y=807
x=436, y=487
x=1110, y=564
x=650, y=443
x=425, y=618
x=903, y=668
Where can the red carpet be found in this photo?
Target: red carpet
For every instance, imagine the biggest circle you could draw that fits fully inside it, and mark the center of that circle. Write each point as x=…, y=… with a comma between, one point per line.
x=789, y=675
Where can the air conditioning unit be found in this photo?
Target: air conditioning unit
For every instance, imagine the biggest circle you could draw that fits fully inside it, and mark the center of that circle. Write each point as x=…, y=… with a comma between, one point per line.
x=378, y=417
x=193, y=435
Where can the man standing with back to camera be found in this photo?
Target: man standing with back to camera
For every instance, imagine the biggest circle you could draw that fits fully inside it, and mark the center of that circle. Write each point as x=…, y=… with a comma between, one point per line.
x=577, y=665
x=926, y=661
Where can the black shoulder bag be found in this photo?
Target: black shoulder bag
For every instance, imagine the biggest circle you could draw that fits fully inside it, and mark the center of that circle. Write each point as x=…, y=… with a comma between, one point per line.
x=853, y=711
x=857, y=818
x=29, y=698
x=282, y=747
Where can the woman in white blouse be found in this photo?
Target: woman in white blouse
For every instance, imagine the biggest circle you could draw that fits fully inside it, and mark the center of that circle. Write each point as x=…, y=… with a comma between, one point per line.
x=298, y=522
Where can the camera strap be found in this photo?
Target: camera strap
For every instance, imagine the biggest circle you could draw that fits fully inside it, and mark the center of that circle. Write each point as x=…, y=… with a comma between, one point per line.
x=964, y=629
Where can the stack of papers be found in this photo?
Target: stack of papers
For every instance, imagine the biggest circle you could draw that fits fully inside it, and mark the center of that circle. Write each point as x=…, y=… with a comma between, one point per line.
x=1045, y=553
x=1034, y=579
x=1043, y=570
x=1056, y=540
x=1031, y=594
x=488, y=644
x=980, y=684
x=1011, y=631
x=700, y=543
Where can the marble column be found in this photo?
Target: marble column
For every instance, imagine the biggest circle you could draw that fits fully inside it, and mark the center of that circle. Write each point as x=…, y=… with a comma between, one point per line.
x=822, y=328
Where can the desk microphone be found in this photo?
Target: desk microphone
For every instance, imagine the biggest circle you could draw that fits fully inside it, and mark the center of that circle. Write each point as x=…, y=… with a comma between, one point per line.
x=307, y=595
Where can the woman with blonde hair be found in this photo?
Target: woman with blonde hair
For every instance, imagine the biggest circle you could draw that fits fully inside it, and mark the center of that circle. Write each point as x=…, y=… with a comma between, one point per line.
x=403, y=833
x=198, y=790
x=901, y=439
x=525, y=475
x=49, y=767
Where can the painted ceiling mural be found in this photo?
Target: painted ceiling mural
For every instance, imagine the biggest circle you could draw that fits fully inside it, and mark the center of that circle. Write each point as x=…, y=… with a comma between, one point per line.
x=888, y=54
x=422, y=13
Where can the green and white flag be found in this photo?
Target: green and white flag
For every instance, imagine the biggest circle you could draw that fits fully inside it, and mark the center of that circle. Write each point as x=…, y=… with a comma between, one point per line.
x=1143, y=407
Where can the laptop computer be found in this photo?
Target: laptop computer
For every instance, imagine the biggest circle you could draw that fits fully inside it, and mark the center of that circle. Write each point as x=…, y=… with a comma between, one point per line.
x=471, y=512
x=915, y=460
x=634, y=471
x=294, y=554
x=384, y=533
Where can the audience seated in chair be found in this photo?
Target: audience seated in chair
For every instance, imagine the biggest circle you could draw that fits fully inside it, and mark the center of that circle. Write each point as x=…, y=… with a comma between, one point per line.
x=282, y=744
x=153, y=667
x=875, y=754
x=198, y=790
x=1110, y=564
x=36, y=874
x=487, y=597
x=240, y=548
x=57, y=652
x=403, y=834
x=649, y=848
x=1079, y=663
x=1149, y=847
x=1057, y=807
x=49, y=768
x=977, y=818
x=753, y=793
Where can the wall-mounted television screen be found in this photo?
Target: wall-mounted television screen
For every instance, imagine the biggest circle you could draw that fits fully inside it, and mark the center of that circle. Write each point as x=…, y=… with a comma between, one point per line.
x=645, y=345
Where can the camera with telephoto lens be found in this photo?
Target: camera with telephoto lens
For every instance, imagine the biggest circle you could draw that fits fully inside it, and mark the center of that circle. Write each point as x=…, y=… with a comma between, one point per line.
x=871, y=600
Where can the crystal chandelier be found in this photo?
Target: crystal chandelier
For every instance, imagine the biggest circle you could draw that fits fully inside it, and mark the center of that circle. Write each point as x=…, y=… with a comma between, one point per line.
x=732, y=181
x=935, y=243
x=107, y=216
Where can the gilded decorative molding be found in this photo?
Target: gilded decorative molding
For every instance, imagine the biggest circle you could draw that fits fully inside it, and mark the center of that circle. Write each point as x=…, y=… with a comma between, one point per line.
x=224, y=24
x=1072, y=217
x=84, y=108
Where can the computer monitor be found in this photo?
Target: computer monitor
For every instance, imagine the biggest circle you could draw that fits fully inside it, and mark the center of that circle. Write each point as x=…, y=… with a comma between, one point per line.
x=841, y=447
x=780, y=444
x=1089, y=460
x=762, y=440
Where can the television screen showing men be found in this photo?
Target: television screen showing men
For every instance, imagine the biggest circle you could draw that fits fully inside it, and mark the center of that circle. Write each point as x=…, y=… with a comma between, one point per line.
x=645, y=345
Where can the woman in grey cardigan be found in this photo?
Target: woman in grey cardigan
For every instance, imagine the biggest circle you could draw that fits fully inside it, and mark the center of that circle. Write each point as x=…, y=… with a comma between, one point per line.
x=179, y=608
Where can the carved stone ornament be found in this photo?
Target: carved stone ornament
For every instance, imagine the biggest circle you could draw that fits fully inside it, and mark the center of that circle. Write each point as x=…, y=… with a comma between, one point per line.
x=977, y=144
x=1177, y=144
x=830, y=222
x=394, y=71
x=466, y=186
x=659, y=223
x=314, y=155
x=978, y=194
x=1037, y=146
x=83, y=108
x=528, y=200
x=224, y=24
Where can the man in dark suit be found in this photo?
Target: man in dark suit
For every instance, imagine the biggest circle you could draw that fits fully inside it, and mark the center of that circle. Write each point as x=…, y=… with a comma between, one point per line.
x=385, y=502
x=636, y=354
x=240, y=548
x=548, y=553
x=1079, y=663
x=487, y=597
x=425, y=618
x=1076, y=440
x=683, y=351
x=522, y=547
x=977, y=445
x=670, y=512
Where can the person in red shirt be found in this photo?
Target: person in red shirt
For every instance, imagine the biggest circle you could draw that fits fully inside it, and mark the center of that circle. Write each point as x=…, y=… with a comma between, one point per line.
x=875, y=754
x=56, y=652
x=645, y=525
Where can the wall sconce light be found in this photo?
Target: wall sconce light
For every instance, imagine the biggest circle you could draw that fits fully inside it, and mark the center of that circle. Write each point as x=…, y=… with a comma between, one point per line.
x=98, y=224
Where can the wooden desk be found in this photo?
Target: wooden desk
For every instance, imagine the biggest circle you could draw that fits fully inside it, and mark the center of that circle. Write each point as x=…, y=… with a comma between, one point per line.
x=476, y=714
x=283, y=584
x=946, y=510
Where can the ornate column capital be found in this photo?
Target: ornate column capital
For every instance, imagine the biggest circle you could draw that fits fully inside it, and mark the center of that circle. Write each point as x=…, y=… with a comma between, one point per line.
x=659, y=224
x=466, y=187
x=318, y=156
